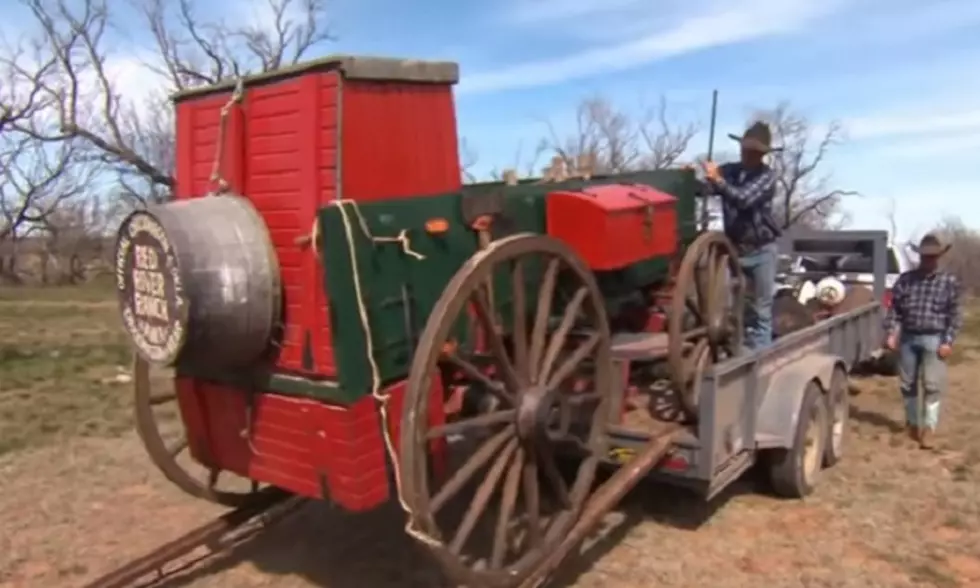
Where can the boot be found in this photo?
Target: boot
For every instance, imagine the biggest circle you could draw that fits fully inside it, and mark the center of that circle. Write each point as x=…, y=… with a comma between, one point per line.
x=925, y=438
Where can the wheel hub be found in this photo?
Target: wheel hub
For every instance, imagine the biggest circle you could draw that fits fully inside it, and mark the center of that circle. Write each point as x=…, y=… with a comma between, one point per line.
x=717, y=332
x=535, y=407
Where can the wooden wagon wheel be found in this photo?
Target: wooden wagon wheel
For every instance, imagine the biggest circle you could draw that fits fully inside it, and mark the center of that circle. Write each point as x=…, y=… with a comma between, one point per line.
x=164, y=453
x=707, y=305
x=533, y=369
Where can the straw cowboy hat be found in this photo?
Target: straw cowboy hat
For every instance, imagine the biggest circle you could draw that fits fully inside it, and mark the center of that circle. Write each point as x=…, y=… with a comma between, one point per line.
x=757, y=137
x=931, y=246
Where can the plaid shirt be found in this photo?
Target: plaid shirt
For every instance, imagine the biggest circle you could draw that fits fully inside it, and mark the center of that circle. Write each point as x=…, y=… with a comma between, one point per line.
x=926, y=303
x=746, y=200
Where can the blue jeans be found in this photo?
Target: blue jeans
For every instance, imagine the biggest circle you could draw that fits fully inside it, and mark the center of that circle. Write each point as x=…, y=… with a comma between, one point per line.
x=760, y=267
x=917, y=355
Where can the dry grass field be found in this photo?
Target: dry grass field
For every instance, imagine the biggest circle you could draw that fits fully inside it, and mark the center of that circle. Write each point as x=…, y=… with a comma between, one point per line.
x=77, y=495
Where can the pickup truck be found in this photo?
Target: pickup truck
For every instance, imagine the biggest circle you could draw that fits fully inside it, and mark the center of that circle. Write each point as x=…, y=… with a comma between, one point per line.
x=802, y=270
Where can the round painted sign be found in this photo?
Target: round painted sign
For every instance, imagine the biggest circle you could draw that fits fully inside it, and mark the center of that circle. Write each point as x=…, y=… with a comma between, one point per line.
x=151, y=293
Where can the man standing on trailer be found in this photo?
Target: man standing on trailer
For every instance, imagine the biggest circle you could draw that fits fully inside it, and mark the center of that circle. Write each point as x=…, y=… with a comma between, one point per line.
x=922, y=324
x=747, y=189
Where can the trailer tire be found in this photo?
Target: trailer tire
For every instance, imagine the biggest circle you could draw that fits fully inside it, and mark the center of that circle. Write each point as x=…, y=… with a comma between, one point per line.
x=793, y=471
x=838, y=417
x=887, y=364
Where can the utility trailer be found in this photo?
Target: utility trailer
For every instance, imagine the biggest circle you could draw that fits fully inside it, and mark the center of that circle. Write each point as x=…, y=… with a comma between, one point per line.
x=345, y=321
x=753, y=407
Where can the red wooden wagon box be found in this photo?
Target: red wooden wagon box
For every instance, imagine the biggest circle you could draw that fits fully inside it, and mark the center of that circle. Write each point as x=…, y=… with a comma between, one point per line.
x=337, y=128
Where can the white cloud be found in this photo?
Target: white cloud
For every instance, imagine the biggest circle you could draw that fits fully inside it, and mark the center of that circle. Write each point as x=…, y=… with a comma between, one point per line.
x=133, y=76
x=549, y=12
x=929, y=119
x=718, y=25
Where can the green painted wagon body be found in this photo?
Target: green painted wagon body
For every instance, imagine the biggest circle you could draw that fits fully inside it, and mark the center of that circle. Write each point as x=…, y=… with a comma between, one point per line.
x=400, y=290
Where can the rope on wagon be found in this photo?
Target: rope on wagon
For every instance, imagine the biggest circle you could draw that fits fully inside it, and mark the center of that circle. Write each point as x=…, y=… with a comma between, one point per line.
x=380, y=397
x=217, y=177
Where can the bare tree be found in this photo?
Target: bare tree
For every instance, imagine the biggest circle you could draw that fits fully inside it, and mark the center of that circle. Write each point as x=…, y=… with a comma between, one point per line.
x=615, y=142
x=805, y=194
x=36, y=178
x=66, y=75
x=77, y=242
x=467, y=159
x=524, y=164
x=963, y=259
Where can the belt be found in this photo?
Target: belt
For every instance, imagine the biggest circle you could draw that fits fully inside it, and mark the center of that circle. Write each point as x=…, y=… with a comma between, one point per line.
x=747, y=248
x=922, y=331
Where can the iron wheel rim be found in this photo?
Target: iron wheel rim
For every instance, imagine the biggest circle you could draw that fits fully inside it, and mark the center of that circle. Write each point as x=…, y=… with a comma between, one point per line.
x=510, y=443
x=710, y=272
x=164, y=456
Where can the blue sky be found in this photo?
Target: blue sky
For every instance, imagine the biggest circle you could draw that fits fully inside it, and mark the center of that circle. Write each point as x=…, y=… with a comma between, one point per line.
x=901, y=75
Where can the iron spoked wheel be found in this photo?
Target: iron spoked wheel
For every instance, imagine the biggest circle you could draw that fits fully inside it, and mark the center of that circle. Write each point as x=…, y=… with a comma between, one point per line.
x=159, y=427
x=546, y=375
x=706, y=305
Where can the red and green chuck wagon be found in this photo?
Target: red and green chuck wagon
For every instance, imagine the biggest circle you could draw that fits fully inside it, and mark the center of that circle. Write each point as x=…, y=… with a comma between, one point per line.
x=345, y=321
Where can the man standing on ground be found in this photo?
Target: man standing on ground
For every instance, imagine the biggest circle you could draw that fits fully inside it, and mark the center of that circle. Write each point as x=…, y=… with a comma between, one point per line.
x=747, y=189
x=922, y=324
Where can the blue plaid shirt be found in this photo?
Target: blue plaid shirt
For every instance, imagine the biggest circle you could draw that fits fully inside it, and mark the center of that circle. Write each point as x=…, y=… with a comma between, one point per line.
x=926, y=303
x=746, y=200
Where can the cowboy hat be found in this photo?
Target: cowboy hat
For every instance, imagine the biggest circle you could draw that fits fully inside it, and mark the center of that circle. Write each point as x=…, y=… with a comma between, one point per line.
x=931, y=246
x=757, y=137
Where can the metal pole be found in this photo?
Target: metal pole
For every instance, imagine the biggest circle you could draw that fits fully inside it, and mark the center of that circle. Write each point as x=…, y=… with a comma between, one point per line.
x=706, y=201
x=711, y=129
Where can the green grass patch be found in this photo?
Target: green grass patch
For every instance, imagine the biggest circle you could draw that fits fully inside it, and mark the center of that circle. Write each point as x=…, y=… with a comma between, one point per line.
x=61, y=352
x=99, y=290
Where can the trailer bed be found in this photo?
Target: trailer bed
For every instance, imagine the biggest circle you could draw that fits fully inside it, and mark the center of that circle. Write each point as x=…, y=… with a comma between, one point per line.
x=748, y=402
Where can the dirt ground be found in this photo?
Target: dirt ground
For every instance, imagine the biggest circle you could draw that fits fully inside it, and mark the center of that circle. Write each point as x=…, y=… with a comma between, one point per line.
x=78, y=496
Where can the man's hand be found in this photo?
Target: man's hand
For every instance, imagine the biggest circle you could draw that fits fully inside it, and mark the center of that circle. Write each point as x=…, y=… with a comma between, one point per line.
x=944, y=351
x=891, y=343
x=711, y=171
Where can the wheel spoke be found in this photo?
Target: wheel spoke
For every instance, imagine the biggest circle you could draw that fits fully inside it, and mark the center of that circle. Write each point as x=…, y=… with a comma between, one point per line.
x=213, y=475
x=572, y=362
x=583, y=398
x=520, y=323
x=178, y=447
x=718, y=289
x=508, y=501
x=532, y=500
x=702, y=277
x=474, y=373
x=694, y=308
x=546, y=458
x=482, y=497
x=483, y=314
x=463, y=475
x=694, y=333
x=162, y=399
x=483, y=421
x=557, y=342
x=542, y=314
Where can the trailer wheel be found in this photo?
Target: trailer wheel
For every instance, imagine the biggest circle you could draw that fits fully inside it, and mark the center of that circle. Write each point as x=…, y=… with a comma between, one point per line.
x=887, y=364
x=838, y=408
x=793, y=472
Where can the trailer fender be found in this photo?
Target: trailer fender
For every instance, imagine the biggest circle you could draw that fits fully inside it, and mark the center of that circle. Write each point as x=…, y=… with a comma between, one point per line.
x=780, y=408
